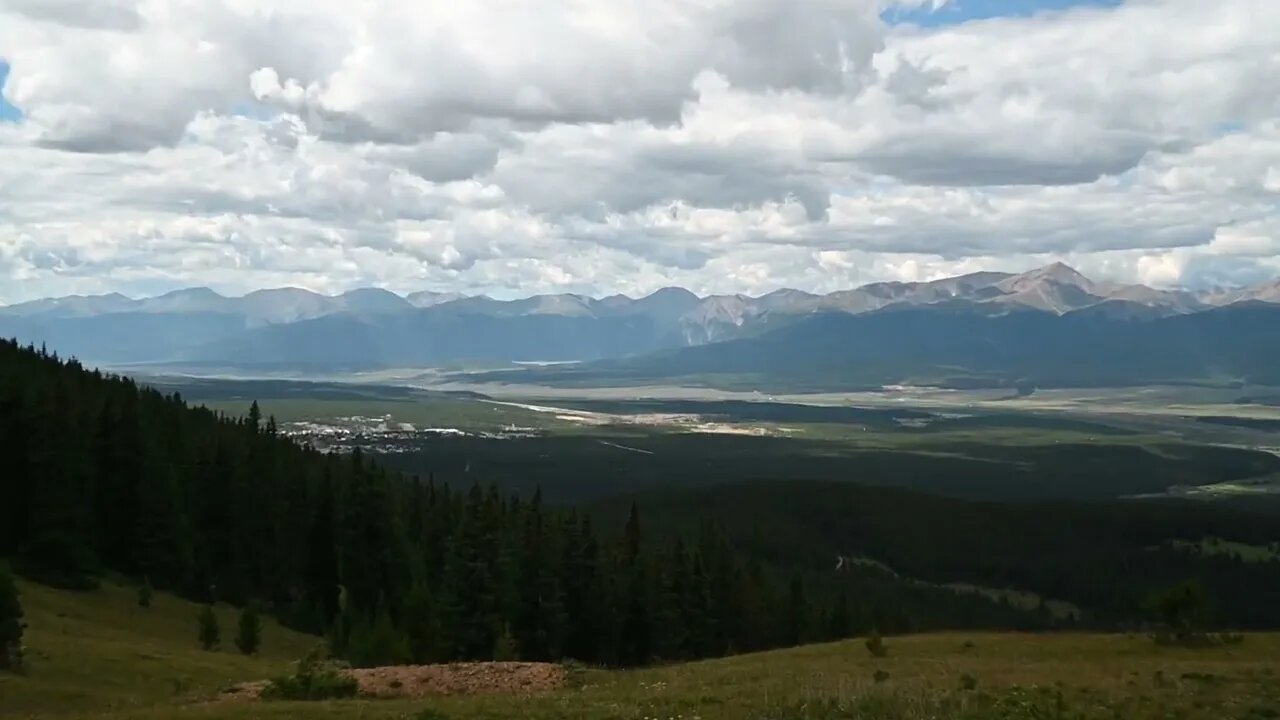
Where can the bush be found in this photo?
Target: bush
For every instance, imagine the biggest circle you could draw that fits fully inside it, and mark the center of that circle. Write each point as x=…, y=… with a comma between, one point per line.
x=377, y=643
x=315, y=678
x=504, y=646
x=11, y=625
x=210, y=634
x=1180, y=614
x=968, y=682
x=249, y=634
x=876, y=646
x=880, y=676
x=144, y=594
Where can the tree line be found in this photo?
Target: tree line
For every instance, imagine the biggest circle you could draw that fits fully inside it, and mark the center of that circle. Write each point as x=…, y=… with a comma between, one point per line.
x=106, y=475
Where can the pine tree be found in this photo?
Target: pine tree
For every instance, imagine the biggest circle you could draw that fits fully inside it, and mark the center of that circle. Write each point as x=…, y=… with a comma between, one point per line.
x=11, y=625
x=583, y=596
x=797, y=617
x=249, y=632
x=839, y=623
x=420, y=624
x=117, y=463
x=635, y=640
x=470, y=602
x=210, y=635
x=255, y=416
x=372, y=550
x=539, y=627
x=322, y=561
x=700, y=620
x=671, y=632
x=56, y=548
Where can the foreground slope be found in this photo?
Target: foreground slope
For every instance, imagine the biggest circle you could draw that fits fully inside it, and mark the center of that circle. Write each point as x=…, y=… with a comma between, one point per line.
x=95, y=651
x=98, y=654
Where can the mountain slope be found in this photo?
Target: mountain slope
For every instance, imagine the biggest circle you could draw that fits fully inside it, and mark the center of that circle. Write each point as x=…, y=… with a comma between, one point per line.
x=962, y=344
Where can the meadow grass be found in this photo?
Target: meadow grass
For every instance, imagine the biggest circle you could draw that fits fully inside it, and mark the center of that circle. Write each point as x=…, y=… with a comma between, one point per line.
x=100, y=655
x=98, y=651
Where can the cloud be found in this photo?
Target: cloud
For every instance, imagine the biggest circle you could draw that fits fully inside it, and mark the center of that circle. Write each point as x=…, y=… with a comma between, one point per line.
x=595, y=146
x=90, y=14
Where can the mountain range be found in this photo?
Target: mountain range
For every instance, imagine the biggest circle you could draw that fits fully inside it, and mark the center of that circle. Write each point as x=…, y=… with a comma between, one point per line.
x=671, y=332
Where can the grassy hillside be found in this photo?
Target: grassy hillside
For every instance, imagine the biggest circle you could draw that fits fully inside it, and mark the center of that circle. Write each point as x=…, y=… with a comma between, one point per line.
x=94, y=651
x=98, y=654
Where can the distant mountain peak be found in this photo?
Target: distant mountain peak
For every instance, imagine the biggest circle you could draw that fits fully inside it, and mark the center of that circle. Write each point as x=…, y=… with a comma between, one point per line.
x=1057, y=272
x=429, y=298
x=671, y=291
x=1057, y=288
x=199, y=293
x=788, y=293
x=281, y=292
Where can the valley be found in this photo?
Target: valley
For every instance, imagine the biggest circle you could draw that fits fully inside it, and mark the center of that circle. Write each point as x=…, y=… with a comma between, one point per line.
x=943, y=470
x=646, y=360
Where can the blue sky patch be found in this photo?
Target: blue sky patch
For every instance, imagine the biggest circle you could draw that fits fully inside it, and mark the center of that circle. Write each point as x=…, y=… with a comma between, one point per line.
x=7, y=111
x=960, y=11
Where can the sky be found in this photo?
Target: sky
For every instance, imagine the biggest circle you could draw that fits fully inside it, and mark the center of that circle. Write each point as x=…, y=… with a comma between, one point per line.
x=598, y=146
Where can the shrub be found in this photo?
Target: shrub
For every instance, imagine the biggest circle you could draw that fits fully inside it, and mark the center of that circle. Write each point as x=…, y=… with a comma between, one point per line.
x=315, y=678
x=376, y=643
x=880, y=676
x=968, y=682
x=1180, y=614
x=504, y=646
x=11, y=625
x=249, y=633
x=210, y=634
x=875, y=645
x=144, y=594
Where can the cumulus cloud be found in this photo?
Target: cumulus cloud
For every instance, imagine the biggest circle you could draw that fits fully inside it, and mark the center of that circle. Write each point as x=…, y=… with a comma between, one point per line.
x=595, y=146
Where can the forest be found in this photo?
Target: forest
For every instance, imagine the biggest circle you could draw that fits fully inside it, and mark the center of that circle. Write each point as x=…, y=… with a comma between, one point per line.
x=108, y=477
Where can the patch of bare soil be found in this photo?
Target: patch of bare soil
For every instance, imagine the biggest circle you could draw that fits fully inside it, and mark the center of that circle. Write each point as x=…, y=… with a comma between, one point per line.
x=459, y=679
x=243, y=691
x=479, y=678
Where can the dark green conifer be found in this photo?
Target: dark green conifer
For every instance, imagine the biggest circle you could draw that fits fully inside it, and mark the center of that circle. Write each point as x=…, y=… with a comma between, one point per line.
x=249, y=631
x=210, y=635
x=11, y=625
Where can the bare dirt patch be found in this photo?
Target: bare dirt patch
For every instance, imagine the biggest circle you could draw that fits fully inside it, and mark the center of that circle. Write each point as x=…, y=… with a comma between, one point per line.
x=480, y=678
